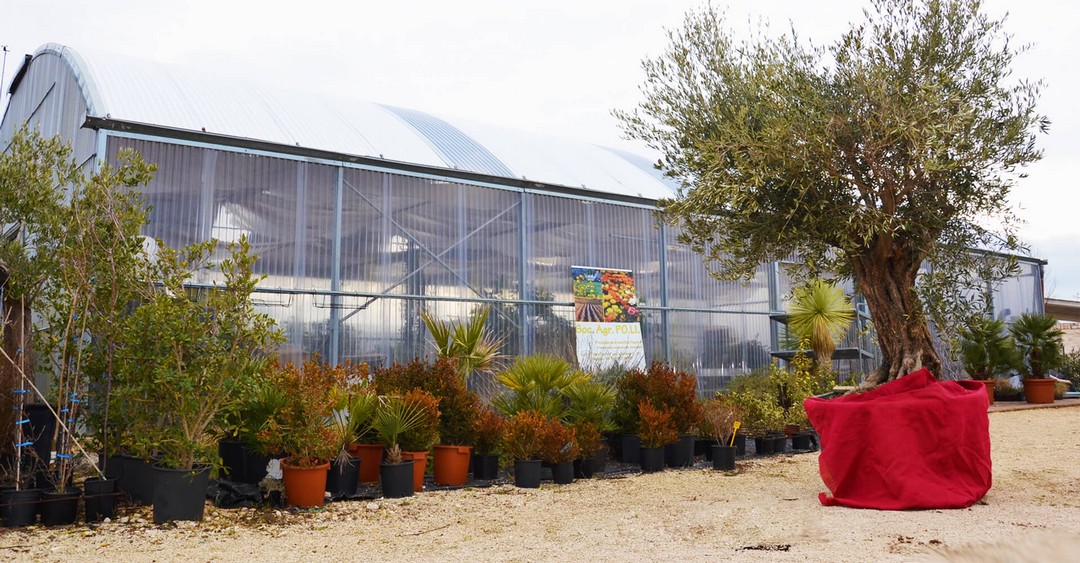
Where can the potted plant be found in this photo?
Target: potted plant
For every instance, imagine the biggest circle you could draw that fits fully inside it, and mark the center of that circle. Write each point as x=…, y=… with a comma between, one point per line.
x=656, y=429
x=458, y=410
x=559, y=448
x=354, y=408
x=490, y=427
x=589, y=413
x=987, y=351
x=472, y=347
x=1005, y=391
x=393, y=417
x=301, y=428
x=187, y=357
x=718, y=424
x=666, y=389
x=536, y=383
x=416, y=441
x=1039, y=341
x=521, y=441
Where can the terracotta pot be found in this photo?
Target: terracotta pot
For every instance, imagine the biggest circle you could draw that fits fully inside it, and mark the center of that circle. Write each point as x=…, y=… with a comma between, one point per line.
x=419, y=466
x=304, y=486
x=371, y=456
x=989, y=383
x=1039, y=391
x=452, y=464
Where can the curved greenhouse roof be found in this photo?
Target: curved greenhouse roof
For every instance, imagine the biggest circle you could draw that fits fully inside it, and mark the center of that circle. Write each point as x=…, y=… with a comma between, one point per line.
x=133, y=91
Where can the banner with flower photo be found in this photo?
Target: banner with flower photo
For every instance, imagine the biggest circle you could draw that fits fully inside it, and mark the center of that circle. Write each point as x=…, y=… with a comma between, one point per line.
x=606, y=318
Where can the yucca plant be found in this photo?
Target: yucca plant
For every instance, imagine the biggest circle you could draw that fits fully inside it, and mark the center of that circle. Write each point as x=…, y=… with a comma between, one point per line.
x=475, y=348
x=822, y=312
x=393, y=418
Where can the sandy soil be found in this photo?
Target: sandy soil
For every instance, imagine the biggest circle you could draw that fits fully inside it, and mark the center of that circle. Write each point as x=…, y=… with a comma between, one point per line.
x=767, y=511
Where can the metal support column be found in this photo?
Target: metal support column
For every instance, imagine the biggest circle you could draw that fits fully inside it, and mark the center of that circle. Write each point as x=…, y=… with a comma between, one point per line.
x=664, y=304
x=335, y=273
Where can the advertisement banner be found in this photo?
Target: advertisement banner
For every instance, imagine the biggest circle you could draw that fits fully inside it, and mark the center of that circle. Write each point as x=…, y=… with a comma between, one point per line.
x=606, y=318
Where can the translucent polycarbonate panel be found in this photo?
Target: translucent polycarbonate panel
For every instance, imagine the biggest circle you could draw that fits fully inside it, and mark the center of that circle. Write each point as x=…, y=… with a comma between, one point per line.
x=257, y=197
x=691, y=286
x=315, y=218
x=1020, y=294
x=175, y=192
x=718, y=346
x=421, y=237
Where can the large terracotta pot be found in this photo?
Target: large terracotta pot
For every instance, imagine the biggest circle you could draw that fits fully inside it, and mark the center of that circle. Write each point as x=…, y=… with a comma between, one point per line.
x=1039, y=391
x=989, y=383
x=419, y=466
x=371, y=456
x=452, y=464
x=304, y=486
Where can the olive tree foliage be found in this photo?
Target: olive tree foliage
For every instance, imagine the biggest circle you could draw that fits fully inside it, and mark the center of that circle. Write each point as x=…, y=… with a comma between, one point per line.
x=892, y=149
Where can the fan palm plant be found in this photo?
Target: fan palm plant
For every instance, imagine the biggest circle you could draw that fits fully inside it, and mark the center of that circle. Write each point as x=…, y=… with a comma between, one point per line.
x=536, y=383
x=821, y=312
x=1039, y=340
x=394, y=417
x=986, y=349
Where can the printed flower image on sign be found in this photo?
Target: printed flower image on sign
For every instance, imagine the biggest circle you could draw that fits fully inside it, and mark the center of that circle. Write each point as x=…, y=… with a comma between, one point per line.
x=607, y=318
x=604, y=296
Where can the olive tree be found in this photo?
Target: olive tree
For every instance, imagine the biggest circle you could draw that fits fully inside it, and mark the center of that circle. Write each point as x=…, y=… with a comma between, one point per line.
x=883, y=157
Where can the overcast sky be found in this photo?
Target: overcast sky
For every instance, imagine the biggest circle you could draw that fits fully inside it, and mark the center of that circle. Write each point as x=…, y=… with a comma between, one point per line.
x=558, y=68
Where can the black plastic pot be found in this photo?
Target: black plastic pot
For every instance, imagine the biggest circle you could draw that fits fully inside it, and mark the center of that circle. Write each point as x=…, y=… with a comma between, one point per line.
x=397, y=479
x=138, y=480
x=59, y=508
x=800, y=441
x=779, y=443
x=99, y=496
x=763, y=445
x=584, y=468
x=723, y=458
x=254, y=467
x=485, y=467
x=600, y=460
x=740, y=443
x=630, y=448
x=562, y=473
x=232, y=460
x=652, y=459
x=681, y=453
x=19, y=508
x=527, y=473
x=180, y=494
x=42, y=427
x=342, y=478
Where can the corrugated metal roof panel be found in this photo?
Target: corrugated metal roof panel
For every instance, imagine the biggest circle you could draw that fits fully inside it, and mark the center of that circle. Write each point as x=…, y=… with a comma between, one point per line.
x=133, y=90
x=460, y=150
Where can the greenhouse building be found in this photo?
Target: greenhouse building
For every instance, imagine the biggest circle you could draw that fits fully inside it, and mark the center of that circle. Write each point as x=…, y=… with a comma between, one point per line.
x=365, y=214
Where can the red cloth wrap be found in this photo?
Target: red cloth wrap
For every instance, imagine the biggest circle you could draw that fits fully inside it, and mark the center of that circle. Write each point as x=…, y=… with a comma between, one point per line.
x=913, y=443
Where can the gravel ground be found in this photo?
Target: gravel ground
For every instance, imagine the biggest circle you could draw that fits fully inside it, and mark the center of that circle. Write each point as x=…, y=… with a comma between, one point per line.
x=765, y=511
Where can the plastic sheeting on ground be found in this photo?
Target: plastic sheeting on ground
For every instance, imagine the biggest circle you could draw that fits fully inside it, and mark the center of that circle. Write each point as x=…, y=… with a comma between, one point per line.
x=913, y=443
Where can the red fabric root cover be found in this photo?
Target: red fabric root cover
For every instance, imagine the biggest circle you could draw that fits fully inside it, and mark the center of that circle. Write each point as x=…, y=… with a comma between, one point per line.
x=913, y=443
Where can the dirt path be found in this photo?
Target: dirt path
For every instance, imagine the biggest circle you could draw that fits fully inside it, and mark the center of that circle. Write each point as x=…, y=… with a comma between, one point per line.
x=768, y=511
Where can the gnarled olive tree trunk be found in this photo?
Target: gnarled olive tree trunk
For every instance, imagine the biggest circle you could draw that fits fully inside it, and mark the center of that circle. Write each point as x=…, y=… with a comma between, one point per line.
x=885, y=276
